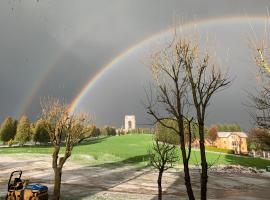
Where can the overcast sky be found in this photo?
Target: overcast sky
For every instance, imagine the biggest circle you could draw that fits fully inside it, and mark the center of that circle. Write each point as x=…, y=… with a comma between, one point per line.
x=53, y=47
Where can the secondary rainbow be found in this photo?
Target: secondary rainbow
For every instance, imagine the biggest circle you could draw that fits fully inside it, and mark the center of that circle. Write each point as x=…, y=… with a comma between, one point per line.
x=229, y=19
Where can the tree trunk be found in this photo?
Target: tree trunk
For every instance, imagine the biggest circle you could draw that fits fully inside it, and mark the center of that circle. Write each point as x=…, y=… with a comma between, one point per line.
x=204, y=176
x=160, y=184
x=186, y=170
x=57, y=183
x=188, y=181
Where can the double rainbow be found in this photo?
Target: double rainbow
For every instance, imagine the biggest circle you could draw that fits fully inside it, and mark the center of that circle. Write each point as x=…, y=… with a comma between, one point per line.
x=94, y=79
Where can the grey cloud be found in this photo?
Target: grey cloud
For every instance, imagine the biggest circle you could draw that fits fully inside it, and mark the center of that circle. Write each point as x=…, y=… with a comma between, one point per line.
x=79, y=37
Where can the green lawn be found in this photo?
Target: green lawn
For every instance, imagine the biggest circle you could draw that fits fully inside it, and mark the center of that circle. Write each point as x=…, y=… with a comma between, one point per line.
x=131, y=149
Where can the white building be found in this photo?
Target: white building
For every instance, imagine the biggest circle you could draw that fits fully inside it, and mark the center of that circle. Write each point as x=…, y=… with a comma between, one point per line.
x=130, y=123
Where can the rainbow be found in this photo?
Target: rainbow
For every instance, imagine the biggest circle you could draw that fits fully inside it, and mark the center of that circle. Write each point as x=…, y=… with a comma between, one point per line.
x=26, y=103
x=93, y=80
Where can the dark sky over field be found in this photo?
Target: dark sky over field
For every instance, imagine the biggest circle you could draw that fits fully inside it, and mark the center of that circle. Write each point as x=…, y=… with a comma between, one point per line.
x=53, y=48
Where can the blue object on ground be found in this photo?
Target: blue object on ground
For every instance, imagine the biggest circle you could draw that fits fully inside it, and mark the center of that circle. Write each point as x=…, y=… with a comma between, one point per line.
x=36, y=187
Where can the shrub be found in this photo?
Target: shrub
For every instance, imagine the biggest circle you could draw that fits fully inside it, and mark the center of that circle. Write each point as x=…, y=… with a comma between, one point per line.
x=108, y=131
x=10, y=142
x=140, y=131
x=164, y=134
x=96, y=132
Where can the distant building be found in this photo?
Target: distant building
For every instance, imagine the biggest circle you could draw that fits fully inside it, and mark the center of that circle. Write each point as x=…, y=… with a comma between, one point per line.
x=130, y=123
x=236, y=141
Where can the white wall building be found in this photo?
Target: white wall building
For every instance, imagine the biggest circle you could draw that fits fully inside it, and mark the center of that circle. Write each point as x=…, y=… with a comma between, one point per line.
x=130, y=123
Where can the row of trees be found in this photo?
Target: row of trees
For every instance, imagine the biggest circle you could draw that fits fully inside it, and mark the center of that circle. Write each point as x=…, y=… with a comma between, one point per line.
x=168, y=135
x=226, y=127
x=23, y=131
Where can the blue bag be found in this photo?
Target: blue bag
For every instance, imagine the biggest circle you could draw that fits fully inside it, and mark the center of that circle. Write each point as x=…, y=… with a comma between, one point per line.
x=36, y=187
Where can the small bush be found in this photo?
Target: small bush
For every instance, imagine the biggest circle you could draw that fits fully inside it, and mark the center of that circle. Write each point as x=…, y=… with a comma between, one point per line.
x=96, y=132
x=140, y=131
x=10, y=142
x=164, y=134
x=108, y=131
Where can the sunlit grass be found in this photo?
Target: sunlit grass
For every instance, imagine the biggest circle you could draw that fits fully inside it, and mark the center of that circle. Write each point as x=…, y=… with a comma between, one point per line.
x=132, y=149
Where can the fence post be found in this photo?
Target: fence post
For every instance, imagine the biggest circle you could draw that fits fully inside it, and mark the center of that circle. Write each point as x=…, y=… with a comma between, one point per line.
x=254, y=153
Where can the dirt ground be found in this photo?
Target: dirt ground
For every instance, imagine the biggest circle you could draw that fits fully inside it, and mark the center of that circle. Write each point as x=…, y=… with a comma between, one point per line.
x=129, y=182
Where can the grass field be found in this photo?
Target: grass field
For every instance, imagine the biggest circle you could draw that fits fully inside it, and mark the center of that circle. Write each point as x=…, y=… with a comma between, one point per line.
x=132, y=149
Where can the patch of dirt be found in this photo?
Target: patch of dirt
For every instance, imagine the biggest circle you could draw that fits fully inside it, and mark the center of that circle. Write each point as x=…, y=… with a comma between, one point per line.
x=88, y=182
x=235, y=170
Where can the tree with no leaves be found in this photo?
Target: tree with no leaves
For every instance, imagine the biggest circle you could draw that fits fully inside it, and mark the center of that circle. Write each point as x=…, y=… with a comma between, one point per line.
x=261, y=101
x=58, y=123
x=185, y=81
x=162, y=157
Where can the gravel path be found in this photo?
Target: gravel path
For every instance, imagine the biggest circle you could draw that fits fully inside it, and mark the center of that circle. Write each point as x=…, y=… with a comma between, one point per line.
x=130, y=182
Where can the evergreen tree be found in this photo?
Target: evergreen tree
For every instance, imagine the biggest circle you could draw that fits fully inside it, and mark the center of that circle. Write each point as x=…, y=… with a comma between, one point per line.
x=219, y=127
x=23, y=134
x=40, y=133
x=238, y=128
x=8, y=130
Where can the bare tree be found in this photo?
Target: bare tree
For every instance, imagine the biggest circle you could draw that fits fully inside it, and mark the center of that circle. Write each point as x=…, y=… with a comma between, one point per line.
x=171, y=100
x=261, y=101
x=60, y=123
x=260, y=46
x=185, y=82
x=205, y=80
x=162, y=157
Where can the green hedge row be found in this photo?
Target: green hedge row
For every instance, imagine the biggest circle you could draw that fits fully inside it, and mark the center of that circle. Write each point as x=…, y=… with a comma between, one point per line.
x=215, y=149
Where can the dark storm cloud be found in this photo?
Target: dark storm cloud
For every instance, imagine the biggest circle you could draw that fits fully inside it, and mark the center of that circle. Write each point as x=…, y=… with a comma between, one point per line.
x=79, y=37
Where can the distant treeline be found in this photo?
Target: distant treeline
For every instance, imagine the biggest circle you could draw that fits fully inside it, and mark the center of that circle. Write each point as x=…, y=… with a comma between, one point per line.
x=165, y=134
x=23, y=131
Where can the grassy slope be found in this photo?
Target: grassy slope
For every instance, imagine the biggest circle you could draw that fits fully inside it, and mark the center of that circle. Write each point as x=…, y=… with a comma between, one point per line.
x=132, y=149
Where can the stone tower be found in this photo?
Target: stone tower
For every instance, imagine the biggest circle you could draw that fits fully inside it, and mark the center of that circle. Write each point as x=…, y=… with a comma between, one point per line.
x=130, y=122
